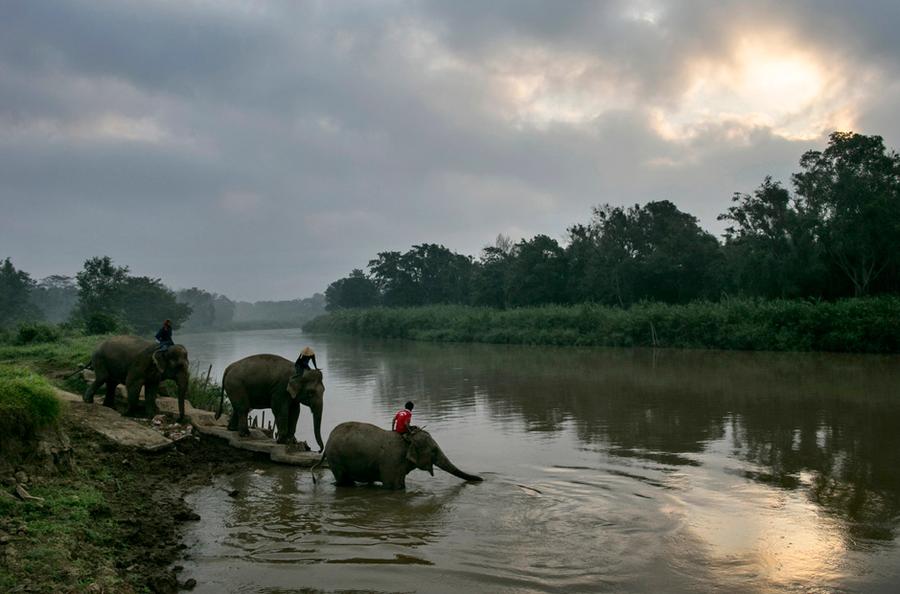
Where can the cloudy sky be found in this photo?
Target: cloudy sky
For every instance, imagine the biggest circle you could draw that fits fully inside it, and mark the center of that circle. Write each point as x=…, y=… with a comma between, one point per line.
x=264, y=149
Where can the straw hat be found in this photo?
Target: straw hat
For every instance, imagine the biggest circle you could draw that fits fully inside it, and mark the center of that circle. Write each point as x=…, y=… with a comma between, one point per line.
x=307, y=352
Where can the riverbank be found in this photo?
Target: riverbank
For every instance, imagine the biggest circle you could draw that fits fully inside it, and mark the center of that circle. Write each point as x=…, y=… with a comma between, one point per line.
x=865, y=325
x=78, y=512
x=105, y=518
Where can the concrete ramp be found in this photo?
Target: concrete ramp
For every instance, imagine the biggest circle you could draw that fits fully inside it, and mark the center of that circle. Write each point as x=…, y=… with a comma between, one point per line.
x=130, y=433
x=112, y=425
x=205, y=422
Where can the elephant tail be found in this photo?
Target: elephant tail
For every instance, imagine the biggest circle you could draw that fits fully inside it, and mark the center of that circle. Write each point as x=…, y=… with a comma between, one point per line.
x=312, y=469
x=88, y=365
x=221, y=399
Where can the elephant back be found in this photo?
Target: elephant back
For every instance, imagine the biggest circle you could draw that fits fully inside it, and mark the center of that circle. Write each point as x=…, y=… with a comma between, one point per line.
x=118, y=353
x=258, y=371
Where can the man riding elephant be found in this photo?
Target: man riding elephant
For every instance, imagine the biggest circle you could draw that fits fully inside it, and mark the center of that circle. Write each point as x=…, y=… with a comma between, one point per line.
x=138, y=364
x=301, y=366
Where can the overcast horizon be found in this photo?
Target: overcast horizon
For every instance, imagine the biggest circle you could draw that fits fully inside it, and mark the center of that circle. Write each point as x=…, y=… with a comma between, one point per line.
x=263, y=150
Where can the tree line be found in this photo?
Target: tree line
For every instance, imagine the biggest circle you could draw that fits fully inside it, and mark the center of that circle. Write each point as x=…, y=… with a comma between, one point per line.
x=104, y=298
x=835, y=232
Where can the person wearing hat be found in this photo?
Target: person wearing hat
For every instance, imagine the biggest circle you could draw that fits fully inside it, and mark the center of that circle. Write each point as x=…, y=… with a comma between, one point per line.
x=164, y=336
x=302, y=363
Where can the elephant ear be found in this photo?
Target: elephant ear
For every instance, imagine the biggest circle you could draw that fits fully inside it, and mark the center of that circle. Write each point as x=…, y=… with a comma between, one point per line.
x=420, y=451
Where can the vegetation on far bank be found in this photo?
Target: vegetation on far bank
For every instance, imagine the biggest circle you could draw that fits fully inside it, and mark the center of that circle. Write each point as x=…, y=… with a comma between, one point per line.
x=105, y=298
x=865, y=325
x=833, y=233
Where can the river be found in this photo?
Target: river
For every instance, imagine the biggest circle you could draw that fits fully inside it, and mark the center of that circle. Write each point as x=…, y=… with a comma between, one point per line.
x=605, y=470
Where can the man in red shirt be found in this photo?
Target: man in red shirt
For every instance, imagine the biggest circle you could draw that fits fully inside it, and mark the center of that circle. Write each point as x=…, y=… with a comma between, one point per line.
x=402, y=419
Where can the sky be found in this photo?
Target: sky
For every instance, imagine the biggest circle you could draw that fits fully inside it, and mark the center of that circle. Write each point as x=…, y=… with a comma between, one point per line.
x=262, y=150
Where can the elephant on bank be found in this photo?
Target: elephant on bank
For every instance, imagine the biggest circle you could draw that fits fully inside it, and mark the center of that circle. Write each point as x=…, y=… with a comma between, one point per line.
x=136, y=363
x=365, y=453
x=261, y=381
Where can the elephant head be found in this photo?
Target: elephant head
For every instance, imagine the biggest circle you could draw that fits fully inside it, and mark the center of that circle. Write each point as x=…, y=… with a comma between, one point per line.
x=310, y=392
x=424, y=453
x=173, y=364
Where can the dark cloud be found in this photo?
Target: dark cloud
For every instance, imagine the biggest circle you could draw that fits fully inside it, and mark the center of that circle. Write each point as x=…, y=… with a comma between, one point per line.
x=264, y=149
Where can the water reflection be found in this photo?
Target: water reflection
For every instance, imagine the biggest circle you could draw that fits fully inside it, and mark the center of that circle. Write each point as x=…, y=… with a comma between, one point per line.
x=606, y=470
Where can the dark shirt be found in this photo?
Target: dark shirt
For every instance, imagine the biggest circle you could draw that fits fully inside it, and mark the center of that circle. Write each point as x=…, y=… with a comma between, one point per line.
x=302, y=362
x=164, y=335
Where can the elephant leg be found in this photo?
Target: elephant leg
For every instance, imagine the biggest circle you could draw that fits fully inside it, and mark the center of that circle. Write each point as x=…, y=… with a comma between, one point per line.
x=92, y=389
x=282, y=410
x=292, y=420
x=110, y=398
x=341, y=479
x=243, y=427
x=134, y=396
x=233, y=420
x=150, y=398
x=393, y=482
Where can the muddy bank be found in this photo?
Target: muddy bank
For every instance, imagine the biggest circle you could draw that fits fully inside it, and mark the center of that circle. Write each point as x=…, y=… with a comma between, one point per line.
x=108, y=518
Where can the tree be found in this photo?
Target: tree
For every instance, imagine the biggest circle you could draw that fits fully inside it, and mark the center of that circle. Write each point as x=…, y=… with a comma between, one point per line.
x=677, y=260
x=56, y=296
x=111, y=300
x=653, y=251
x=15, y=296
x=146, y=302
x=537, y=274
x=202, y=304
x=356, y=290
x=852, y=189
x=224, y=310
x=425, y=274
x=490, y=273
x=100, y=284
x=769, y=247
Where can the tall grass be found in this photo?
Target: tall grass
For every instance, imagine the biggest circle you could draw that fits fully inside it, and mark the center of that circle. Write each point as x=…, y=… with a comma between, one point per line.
x=27, y=401
x=865, y=325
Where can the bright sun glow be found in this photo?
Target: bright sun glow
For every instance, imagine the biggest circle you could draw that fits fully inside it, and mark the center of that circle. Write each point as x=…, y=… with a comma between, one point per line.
x=762, y=83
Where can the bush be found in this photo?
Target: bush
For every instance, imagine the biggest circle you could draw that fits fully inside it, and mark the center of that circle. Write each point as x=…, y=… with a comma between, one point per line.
x=103, y=323
x=27, y=401
x=866, y=325
x=35, y=332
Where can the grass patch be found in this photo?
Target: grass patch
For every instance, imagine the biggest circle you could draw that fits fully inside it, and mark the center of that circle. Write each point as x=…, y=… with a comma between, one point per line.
x=865, y=325
x=63, y=542
x=66, y=353
x=27, y=401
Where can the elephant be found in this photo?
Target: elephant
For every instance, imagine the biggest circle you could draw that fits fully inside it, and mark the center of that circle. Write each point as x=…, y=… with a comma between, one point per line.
x=137, y=363
x=365, y=453
x=261, y=381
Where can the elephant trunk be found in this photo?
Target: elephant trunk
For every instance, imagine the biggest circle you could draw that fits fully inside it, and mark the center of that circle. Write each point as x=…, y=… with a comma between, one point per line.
x=317, y=426
x=444, y=463
x=182, y=383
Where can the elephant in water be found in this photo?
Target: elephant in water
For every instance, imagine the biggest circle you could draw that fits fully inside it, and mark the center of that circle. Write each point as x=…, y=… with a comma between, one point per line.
x=261, y=381
x=365, y=453
x=137, y=363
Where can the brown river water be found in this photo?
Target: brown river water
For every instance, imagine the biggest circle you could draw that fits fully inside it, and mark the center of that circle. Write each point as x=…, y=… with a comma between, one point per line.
x=606, y=470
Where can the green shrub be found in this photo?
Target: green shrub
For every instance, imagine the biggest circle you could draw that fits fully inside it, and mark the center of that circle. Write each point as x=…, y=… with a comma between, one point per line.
x=33, y=332
x=103, y=323
x=869, y=325
x=27, y=401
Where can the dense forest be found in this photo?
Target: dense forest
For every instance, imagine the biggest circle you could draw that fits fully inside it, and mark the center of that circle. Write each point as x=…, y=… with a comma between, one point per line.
x=834, y=233
x=104, y=297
